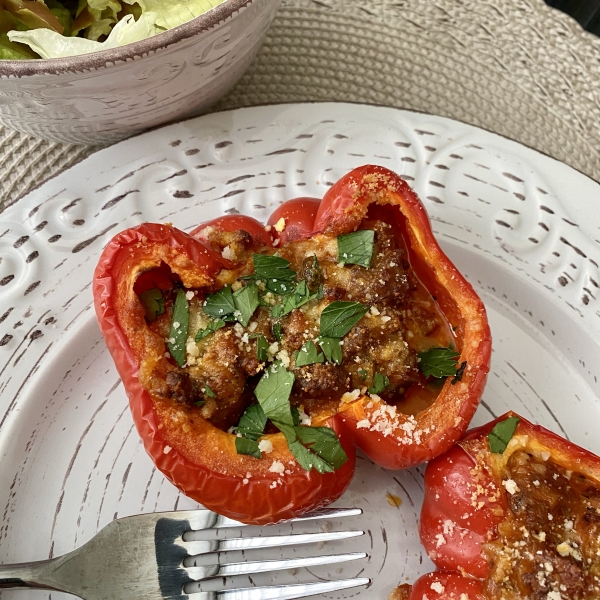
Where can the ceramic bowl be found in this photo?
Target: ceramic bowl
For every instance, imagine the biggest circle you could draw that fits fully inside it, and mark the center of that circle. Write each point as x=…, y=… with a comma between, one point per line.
x=106, y=96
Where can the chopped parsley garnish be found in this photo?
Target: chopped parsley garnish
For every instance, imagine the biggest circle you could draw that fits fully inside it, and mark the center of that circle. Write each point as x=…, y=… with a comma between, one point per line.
x=331, y=349
x=295, y=416
x=312, y=274
x=273, y=393
x=209, y=392
x=277, y=311
x=227, y=305
x=251, y=427
x=179, y=328
x=277, y=331
x=324, y=442
x=247, y=446
x=262, y=345
x=210, y=328
x=220, y=304
x=153, y=302
x=362, y=373
x=308, y=355
x=275, y=272
x=380, y=382
x=339, y=317
x=253, y=421
x=356, y=248
x=439, y=362
x=502, y=434
x=300, y=296
x=246, y=302
x=200, y=403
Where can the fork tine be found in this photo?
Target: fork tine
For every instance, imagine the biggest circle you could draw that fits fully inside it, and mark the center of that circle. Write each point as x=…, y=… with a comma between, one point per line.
x=205, y=519
x=281, y=592
x=199, y=547
x=247, y=568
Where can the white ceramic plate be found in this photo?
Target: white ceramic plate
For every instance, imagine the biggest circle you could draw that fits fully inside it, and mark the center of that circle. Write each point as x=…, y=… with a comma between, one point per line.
x=522, y=227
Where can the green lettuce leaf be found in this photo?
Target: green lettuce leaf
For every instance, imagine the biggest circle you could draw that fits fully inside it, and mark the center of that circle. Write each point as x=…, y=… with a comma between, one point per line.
x=13, y=51
x=157, y=15
x=49, y=44
x=171, y=13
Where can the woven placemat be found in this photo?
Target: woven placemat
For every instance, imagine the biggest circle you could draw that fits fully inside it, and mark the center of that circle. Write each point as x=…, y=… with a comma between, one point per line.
x=515, y=67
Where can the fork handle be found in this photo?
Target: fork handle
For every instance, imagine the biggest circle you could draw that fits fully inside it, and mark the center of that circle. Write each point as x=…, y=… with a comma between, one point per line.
x=27, y=575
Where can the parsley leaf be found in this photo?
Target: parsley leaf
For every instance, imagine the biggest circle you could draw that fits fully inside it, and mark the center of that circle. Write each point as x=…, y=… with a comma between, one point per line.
x=220, y=304
x=331, y=349
x=277, y=331
x=307, y=459
x=502, y=434
x=324, y=442
x=438, y=362
x=312, y=273
x=209, y=392
x=247, y=446
x=246, y=302
x=153, y=302
x=295, y=416
x=339, y=317
x=210, y=328
x=273, y=393
x=363, y=374
x=253, y=421
x=380, y=382
x=356, y=248
x=308, y=355
x=300, y=296
x=262, y=345
x=275, y=271
x=277, y=311
x=200, y=403
x=179, y=328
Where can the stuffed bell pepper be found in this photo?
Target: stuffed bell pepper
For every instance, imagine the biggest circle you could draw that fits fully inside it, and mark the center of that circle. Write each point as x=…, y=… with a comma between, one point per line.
x=257, y=358
x=511, y=512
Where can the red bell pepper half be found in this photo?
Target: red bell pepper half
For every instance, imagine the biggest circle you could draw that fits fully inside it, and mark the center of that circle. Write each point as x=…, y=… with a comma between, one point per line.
x=199, y=457
x=511, y=515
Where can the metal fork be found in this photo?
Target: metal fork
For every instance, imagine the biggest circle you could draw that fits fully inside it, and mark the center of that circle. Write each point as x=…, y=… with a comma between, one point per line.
x=148, y=556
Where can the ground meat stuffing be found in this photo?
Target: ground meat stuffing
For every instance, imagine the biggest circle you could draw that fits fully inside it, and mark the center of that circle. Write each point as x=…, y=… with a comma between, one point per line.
x=549, y=546
x=223, y=367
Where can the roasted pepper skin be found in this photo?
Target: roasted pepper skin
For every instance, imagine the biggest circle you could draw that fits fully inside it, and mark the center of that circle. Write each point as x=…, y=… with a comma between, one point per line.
x=453, y=493
x=203, y=462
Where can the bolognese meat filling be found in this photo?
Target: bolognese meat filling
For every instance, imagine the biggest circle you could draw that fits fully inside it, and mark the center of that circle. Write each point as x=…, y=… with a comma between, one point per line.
x=549, y=544
x=329, y=316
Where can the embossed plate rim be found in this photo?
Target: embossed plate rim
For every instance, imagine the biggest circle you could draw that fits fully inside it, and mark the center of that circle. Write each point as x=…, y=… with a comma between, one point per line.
x=193, y=193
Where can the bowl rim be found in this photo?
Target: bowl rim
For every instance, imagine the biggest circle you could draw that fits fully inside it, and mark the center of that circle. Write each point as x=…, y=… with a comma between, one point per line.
x=104, y=58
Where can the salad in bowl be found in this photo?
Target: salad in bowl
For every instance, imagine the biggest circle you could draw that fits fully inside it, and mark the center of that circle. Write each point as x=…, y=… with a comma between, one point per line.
x=32, y=29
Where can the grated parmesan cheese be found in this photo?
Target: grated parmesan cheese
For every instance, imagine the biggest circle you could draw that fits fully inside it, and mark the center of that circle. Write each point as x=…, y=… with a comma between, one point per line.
x=511, y=486
x=228, y=253
x=265, y=446
x=277, y=467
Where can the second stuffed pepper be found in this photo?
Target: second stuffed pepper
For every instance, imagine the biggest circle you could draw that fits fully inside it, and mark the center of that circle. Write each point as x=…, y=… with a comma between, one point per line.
x=512, y=511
